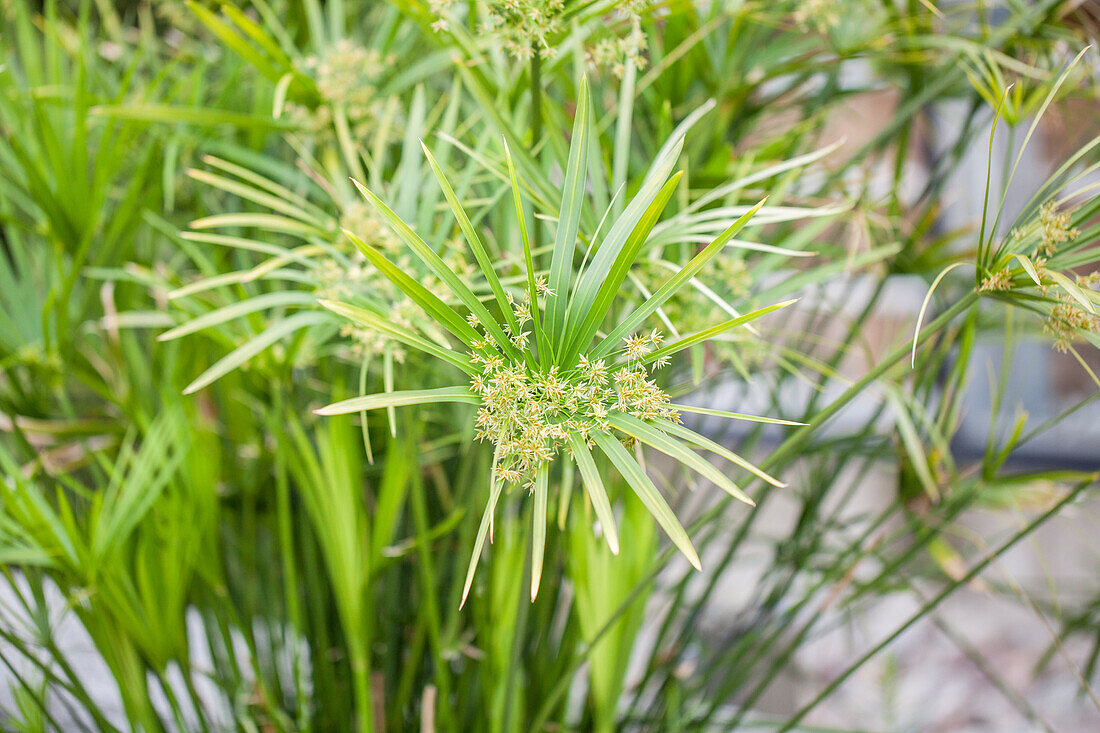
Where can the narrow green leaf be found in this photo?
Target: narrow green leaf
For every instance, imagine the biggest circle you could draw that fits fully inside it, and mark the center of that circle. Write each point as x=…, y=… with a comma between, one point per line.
x=924, y=307
x=725, y=190
x=734, y=415
x=541, y=341
x=633, y=474
x=910, y=439
x=626, y=237
x=200, y=116
x=565, y=496
x=364, y=422
x=236, y=310
x=444, y=314
x=388, y=386
x=269, y=269
x=401, y=398
x=655, y=438
x=495, y=486
x=1029, y=268
x=690, y=436
x=262, y=198
x=569, y=217
x=250, y=348
x=257, y=33
x=268, y=222
x=408, y=180
x=488, y=271
x=593, y=484
x=139, y=482
x=1039, y=116
x=538, y=546
x=599, y=286
x=250, y=245
x=677, y=281
x=376, y=322
x=1074, y=291
x=623, y=119
x=233, y=40
x=436, y=264
x=713, y=331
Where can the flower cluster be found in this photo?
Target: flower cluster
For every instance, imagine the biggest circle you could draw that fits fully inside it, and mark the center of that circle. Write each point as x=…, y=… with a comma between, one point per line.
x=819, y=15
x=527, y=27
x=1068, y=319
x=1000, y=280
x=529, y=415
x=360, y=217
x=617, y=52
x=1055, y=228
x=347, y=78
x=522, y=26
x=353, y=279
x=357, y=280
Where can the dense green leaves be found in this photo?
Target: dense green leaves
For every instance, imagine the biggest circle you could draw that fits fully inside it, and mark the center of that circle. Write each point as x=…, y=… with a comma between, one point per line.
x=577, y=304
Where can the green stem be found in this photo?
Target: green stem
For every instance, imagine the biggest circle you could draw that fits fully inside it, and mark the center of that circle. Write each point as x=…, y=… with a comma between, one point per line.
x=536, y=97
x=536, y=126
x=428, y=581
x=621, y=154
x=935, y=602
x=767, y=493
x=791, y=447
x=360, y=673
x=510, y=681
x=789, y=450
x=129, y=671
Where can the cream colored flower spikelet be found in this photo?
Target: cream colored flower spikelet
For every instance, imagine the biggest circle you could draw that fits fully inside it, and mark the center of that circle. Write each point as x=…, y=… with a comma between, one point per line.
x=529, y=415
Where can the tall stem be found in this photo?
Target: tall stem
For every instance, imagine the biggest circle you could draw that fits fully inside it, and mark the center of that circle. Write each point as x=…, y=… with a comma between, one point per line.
x=514, y=673
x=536, y=97
x=932, y=604
x=360, y=675
x=429, y=604
x=791, y=447
x=536, y=125
x=787, y=451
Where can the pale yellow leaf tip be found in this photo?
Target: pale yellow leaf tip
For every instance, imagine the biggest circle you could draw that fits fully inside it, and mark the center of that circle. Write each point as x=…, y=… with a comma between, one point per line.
x=327, y=410
x=362, y=189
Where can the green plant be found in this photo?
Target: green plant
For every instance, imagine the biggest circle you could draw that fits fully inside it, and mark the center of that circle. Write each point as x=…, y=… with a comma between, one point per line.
x=543, y=390
x=238, y=563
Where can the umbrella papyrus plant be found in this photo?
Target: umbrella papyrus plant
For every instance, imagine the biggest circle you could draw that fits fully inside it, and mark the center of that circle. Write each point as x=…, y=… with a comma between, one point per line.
x=547, y=380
